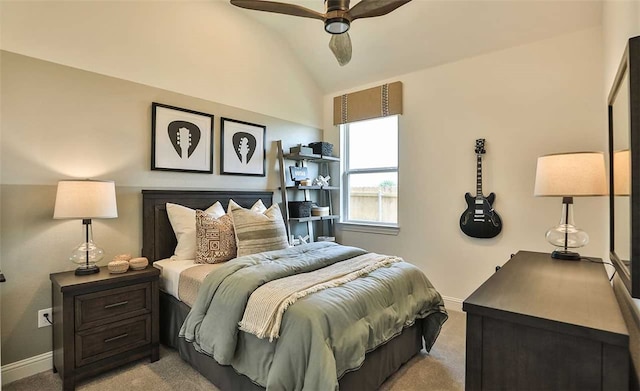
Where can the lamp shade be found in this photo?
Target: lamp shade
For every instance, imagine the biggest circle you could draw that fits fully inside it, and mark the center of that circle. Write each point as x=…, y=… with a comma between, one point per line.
x=621, y=171
x=85, y=199
x=573, y=174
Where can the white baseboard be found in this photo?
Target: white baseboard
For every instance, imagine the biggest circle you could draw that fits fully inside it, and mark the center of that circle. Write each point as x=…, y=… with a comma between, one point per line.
x=27, y=367
x=452, y=303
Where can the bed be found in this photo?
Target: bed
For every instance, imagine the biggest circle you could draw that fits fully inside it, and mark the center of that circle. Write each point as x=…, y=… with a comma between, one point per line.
x=159, y=243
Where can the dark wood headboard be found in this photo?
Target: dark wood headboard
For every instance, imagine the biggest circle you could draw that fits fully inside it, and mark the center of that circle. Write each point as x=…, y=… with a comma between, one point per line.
x=158, y=239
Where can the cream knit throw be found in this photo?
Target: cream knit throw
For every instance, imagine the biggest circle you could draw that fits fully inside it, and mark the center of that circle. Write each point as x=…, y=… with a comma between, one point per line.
x=267, y=304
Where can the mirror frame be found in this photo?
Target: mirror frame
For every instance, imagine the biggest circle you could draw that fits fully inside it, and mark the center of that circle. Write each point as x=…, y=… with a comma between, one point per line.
x=630, y=65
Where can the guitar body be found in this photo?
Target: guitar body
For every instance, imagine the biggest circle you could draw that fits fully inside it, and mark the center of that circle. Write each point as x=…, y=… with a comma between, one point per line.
x=480, y=220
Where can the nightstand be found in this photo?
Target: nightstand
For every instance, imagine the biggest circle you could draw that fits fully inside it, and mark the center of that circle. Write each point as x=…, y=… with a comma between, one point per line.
x=102, y=321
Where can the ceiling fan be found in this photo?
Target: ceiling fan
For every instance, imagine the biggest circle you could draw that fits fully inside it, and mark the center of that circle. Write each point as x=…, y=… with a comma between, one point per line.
x=337, y=17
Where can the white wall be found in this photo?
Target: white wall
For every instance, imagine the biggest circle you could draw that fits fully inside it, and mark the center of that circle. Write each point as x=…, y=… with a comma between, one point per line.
x=620, y=21
x=204, y=49
x=526, y=101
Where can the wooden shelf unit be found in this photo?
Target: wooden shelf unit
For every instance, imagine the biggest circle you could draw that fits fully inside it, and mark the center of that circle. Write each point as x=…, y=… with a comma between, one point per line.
x=323, y=167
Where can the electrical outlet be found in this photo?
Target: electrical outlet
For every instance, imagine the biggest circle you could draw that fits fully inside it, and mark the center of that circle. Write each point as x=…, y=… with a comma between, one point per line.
x=42, y=321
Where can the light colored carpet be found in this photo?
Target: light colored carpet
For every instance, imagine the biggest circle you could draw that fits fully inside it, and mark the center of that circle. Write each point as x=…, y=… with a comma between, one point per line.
x=442, y=369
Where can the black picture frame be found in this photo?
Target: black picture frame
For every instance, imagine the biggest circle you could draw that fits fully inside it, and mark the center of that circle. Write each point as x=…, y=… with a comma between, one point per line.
x=628, y=268
x=170, y=125
x=242, y=148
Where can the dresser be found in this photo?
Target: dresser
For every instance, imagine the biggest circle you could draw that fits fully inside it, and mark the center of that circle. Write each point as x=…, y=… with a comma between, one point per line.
x=103, y=320
x=540, y=323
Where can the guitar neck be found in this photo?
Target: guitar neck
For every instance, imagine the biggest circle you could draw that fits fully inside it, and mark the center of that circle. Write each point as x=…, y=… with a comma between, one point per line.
x=479, y=176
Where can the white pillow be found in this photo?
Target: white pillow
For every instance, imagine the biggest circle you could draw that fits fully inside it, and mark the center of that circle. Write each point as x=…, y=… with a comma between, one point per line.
x=258, y=206
x=183, y=222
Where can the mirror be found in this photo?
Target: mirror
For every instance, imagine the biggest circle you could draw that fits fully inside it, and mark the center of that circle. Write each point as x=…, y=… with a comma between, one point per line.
x=624, y=142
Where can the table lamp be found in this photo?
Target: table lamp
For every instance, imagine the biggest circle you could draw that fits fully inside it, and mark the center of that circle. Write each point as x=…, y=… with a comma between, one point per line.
x=568, y=175
x=86, y=200
x=621, y=172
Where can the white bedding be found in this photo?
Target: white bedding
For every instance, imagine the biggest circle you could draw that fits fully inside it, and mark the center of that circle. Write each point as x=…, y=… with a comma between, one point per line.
x=170, y=273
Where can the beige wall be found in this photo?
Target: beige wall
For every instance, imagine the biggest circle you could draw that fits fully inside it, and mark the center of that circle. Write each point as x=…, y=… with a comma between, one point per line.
x=526, y=101
x=59, y=122
x=206, y=49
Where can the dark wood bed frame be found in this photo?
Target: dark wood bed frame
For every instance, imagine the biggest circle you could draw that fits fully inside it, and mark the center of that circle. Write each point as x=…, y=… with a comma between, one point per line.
x=159, y=243
x=158, y=239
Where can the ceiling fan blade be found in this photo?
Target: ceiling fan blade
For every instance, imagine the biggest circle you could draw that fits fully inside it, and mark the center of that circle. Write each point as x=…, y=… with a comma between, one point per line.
x=371, y=8
x=279, y=8
x=340, y=45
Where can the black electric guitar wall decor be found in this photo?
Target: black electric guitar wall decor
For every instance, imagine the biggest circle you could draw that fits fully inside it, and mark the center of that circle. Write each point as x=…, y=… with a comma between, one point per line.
x=480, y=220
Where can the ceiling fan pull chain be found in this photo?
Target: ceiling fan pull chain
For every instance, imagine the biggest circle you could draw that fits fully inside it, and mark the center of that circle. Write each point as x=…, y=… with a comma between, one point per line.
x=343, y=109
x=385, y=100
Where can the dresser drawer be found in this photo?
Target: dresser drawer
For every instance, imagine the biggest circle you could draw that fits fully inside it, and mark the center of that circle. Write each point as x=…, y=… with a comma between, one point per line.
x=95, y=309
x=105, y=341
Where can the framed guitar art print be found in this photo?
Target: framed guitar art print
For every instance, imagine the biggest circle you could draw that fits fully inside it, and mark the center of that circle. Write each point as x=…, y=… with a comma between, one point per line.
x=242, y=149
x=181, y=139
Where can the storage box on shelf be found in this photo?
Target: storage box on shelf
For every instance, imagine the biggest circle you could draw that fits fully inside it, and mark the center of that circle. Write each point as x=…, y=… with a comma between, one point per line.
x=320, y=211
x=301, y=149
x=324, y=213
x=322, y=148
x=299, y=209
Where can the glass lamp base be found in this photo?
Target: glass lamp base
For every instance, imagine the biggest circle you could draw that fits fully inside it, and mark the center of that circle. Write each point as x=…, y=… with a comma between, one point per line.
x=87, y=254
x=566, y=255
x=86, y=270
x=566, y=235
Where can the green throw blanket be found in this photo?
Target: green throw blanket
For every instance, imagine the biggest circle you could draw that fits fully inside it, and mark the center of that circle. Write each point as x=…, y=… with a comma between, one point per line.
x=322, y=335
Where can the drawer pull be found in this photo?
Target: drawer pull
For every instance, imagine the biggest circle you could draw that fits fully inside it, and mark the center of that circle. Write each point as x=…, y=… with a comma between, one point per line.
x=116, y=304
x=116, y=338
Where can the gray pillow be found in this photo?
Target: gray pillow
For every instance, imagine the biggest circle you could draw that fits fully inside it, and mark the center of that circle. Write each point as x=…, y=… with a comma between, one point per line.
x=257, y=232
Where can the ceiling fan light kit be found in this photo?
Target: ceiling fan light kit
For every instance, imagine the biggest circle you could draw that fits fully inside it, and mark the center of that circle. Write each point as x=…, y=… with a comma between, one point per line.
x=337, y=17
x=336, y=25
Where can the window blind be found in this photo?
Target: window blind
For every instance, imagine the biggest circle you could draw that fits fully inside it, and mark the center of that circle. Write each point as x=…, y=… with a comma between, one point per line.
x=375, y=102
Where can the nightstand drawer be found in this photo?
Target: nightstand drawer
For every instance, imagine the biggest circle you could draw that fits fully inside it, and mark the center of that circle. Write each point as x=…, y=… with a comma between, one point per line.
x=95, y=309
x=105, y=341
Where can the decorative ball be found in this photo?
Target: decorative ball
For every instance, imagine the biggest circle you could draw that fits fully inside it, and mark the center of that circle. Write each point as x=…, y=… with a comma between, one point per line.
x=122, y=257
x=118, y=266
x=138, y=263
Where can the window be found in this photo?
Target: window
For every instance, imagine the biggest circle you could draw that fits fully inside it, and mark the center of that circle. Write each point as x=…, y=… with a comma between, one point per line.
x=370, y=172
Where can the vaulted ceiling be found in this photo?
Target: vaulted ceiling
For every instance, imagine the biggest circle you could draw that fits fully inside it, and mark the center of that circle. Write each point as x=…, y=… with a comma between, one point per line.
x=424, y=33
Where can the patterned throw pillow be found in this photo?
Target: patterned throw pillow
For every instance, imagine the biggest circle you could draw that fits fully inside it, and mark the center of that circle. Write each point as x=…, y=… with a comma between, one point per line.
x=183, y=222
x=215, y=239
x=257, y=232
